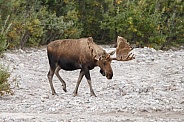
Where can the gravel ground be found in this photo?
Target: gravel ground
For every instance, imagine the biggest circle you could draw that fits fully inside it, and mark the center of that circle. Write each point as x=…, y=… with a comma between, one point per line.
x=147, y=89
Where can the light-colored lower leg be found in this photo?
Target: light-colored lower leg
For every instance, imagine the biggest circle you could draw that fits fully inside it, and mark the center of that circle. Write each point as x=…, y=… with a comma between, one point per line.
x=87, y=75
x=92, y=93
x=78, y=83
x=50, y=76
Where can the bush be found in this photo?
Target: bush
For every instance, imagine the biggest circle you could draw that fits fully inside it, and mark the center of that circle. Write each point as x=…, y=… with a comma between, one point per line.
x=155, y=24
x=3, y=44
x=143, y=22
x=4, y=85
x=35, y=25
x=26, y=29
x=57, y=27
x=3, y=34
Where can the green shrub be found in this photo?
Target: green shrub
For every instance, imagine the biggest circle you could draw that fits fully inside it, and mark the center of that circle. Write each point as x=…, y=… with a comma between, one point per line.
x=150, y=23
x=35, y=25
x=3, y=44
x=4, y=84
x=56, y=27
x=3, y=34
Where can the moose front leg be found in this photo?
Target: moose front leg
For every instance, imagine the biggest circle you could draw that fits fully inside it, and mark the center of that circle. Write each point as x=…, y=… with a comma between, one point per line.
x=87, y=75
x=78, y=83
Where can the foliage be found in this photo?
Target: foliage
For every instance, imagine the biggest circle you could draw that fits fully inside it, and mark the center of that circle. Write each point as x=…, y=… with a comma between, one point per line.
x=4, y=85
x=3, y=37
x=33, y=24
x=57, y=27
x=145, y=22
x=26, y=29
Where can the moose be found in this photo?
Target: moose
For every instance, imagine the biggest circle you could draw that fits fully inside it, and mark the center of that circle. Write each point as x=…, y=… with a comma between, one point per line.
x=73, y=54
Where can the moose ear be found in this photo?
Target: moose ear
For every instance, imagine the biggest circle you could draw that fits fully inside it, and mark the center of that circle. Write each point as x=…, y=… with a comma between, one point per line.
x=96, y=59
x=90, y=39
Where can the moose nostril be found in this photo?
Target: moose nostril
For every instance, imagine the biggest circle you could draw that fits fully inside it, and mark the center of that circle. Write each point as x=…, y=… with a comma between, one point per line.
x=109, y=76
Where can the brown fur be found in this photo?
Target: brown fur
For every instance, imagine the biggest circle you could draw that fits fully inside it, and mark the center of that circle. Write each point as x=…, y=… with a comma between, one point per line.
x=72, y=54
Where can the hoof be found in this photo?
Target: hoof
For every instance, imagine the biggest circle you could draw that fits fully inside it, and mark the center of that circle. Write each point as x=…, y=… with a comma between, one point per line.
x=55, y=94
x=93, y=94
x=64, y=89
x=75, y=94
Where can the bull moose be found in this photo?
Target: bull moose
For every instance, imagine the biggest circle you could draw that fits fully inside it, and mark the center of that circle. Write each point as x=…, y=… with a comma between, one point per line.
x=73, y=54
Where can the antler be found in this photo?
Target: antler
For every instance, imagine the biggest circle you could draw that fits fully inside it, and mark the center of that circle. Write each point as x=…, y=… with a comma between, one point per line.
x=123, y=50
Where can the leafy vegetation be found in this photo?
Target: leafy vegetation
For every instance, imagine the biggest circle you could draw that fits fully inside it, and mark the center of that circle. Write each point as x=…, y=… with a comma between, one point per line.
x=150, y=23
x=3, y=32
x=4, y=85
x=145, y=22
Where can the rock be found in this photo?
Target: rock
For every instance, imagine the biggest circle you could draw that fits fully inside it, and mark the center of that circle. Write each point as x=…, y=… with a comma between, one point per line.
x=122, y=92
x=182, y=102
x=21, y=65
x=44, y=98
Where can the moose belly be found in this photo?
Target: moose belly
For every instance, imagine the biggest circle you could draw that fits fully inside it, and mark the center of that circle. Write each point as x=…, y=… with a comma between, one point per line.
x=69, y=64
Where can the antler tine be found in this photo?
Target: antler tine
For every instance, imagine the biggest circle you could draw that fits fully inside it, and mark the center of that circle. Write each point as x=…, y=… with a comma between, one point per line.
x=131, y=48
x=128, y=57
x=114, y=59
x=112, y=52
x=133, y=56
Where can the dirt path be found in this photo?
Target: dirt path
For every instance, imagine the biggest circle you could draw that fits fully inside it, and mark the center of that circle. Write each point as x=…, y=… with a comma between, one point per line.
x=149, y=88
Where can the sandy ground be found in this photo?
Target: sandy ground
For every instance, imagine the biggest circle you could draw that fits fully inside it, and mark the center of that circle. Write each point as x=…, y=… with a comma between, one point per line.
x=147, y=89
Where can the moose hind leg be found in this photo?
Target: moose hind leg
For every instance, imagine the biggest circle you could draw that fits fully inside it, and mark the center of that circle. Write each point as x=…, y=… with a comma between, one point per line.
x=59, y=77
x=50, y=76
